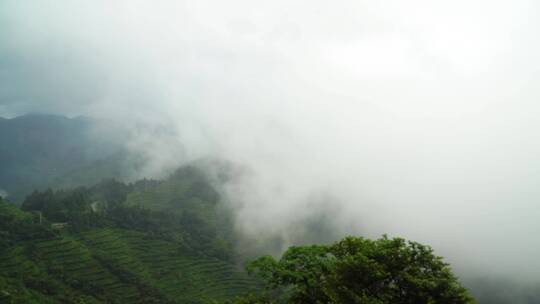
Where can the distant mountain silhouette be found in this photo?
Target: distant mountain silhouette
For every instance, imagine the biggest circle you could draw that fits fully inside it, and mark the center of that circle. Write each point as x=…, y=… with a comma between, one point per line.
x=39, y=151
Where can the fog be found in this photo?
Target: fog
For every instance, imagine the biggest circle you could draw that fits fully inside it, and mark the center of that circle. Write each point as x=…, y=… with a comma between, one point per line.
x=413, y=118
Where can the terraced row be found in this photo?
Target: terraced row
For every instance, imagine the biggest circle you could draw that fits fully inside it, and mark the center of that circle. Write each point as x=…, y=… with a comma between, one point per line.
x=79, y=264
x=115, y=263
x=185, y=275
x=180, y=274
x=13, y=262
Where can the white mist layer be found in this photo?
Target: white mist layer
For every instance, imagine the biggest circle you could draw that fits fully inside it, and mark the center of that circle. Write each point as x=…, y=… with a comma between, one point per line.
x=418, y=118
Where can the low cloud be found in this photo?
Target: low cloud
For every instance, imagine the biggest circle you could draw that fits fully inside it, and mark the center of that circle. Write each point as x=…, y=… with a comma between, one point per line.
x=416, y=119
x=3, y=193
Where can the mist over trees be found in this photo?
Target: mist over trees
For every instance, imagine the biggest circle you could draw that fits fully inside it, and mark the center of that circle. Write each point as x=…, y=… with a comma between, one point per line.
x=353, y=270
x=311, y=120
x=405, y=112
x=183, y=216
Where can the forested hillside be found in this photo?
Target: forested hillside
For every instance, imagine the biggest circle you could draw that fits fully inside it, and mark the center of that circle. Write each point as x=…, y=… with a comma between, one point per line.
x=71, y=231
x=120, y=243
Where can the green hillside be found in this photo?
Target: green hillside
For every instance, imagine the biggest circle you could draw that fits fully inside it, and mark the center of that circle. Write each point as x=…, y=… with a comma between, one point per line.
x=119, y=243
x=113, y=266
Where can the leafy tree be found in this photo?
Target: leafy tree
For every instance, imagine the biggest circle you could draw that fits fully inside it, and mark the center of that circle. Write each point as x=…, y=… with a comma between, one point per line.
x=110, y=191
x=358, y=270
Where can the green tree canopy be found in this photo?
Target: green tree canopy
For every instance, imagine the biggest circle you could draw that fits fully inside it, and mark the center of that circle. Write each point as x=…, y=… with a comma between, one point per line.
x=358, y=270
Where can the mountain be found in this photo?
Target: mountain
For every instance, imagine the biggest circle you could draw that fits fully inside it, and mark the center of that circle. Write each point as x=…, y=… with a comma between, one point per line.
x=40, y=151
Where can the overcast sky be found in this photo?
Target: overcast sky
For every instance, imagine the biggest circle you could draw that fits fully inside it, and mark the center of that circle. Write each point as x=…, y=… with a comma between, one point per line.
x=419, y=118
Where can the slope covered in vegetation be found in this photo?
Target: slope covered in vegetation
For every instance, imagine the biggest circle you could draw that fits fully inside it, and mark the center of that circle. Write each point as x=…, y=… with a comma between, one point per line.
x=111, y=244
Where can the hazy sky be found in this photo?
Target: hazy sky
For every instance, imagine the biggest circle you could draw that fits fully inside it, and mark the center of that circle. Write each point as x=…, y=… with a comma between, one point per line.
x=419, y=118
